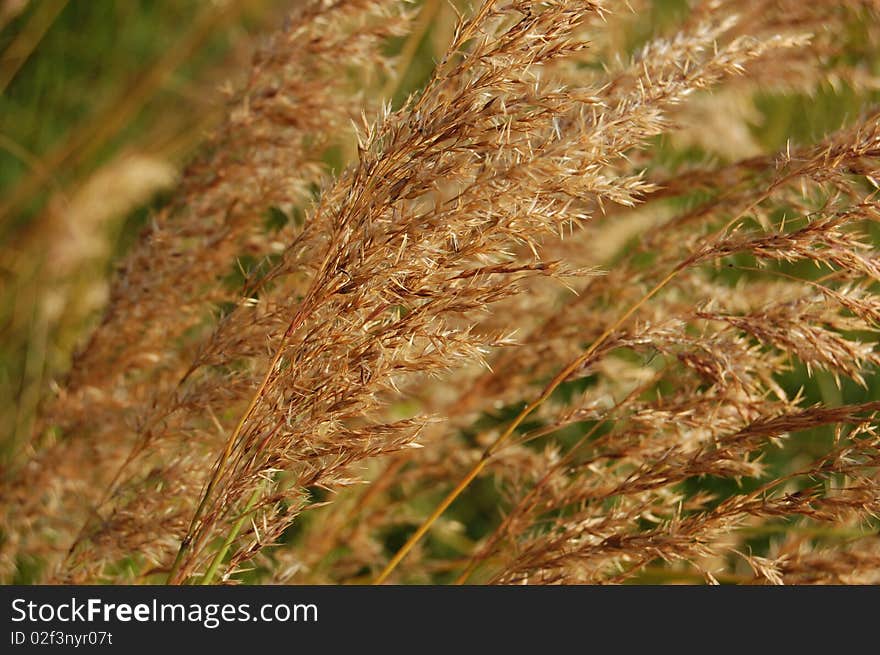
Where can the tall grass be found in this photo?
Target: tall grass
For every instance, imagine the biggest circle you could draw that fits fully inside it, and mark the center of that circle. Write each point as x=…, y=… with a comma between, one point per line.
x=558, y=317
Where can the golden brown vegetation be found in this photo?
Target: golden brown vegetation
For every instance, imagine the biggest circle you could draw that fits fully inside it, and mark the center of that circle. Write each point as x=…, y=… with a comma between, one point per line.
x=508, y=283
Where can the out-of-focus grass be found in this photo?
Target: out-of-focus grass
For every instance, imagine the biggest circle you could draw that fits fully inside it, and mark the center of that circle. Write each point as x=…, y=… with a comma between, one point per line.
x=101, y=102
x=103, y=74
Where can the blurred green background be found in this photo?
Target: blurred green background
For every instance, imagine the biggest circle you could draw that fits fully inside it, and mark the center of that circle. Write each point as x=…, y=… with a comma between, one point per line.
x=101, y=102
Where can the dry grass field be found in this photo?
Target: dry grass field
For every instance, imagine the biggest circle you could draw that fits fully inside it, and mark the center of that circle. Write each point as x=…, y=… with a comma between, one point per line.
x=510, y=292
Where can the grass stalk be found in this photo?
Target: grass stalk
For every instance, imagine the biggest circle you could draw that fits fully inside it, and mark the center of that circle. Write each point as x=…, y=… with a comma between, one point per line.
x=499, y=441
